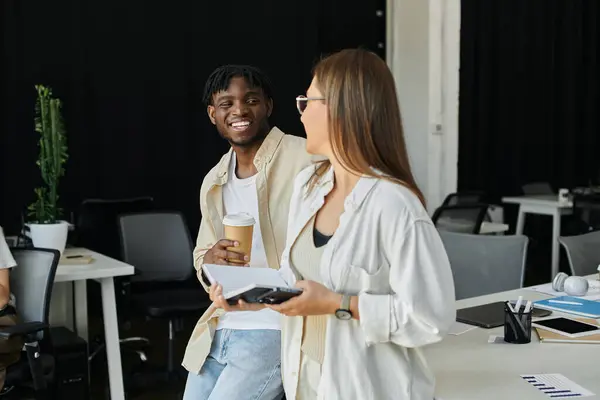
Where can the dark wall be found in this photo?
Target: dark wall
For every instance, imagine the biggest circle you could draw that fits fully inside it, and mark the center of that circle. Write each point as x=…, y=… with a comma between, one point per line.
x=529, y=94
x=130, y=74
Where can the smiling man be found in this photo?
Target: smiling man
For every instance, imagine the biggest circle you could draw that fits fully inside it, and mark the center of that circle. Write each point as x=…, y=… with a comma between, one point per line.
x=236, y=355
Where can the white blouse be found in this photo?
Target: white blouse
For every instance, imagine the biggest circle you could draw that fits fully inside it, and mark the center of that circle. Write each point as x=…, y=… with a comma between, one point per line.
x=6, y=258
x=387, y=251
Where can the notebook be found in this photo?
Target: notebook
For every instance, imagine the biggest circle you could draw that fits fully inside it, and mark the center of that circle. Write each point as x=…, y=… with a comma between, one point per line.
x=587, y=308
x=552, y=337
x=239, y=280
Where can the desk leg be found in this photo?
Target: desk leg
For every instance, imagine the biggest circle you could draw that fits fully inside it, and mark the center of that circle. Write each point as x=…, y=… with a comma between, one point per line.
x=555, y=244
x=111, y=333
x=81, y=309
x=520, y=221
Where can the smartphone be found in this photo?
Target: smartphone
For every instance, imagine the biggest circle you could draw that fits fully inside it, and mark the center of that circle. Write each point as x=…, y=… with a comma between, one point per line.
x=278, y=295
x=249, y=296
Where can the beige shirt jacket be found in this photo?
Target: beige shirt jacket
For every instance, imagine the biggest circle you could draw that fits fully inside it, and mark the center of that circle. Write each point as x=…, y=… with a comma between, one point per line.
x=280, y=158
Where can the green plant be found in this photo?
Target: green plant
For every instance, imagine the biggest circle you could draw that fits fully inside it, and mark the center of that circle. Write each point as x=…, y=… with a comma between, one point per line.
x=53, y=155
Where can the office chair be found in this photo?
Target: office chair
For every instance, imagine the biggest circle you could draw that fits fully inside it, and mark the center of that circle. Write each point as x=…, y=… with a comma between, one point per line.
x=484, y=264
x=31, y=281
x=97, y=229
x=159, y=246
x=464, y=218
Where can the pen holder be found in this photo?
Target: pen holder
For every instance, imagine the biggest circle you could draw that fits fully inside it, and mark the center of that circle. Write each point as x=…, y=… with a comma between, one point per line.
x=517, y=325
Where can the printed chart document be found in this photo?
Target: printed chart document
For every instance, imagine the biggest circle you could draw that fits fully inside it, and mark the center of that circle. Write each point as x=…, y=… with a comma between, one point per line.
x=237, y=281
x=556, y=386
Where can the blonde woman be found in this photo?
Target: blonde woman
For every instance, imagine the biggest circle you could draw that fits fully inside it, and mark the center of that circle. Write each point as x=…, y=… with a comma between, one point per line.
x=377, y=284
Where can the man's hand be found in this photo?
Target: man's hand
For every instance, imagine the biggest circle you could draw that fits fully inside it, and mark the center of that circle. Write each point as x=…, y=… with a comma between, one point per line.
x=219, y=254
x=216, y=295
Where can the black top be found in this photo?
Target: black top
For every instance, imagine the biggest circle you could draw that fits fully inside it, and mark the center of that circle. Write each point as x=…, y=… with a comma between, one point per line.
x=319, y=239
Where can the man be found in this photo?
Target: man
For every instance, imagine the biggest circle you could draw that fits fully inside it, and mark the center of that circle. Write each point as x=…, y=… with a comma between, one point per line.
x=236, y=355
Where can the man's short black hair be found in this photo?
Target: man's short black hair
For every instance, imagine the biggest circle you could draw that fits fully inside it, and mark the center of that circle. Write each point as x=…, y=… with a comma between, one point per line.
x=221, y=77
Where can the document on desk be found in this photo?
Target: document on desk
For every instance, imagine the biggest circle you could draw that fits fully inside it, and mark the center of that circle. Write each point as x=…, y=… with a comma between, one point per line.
x=556, y=386
x=546, y=288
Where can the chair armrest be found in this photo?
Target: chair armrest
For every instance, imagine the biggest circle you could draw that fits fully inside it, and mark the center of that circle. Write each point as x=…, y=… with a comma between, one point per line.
x=27, y=328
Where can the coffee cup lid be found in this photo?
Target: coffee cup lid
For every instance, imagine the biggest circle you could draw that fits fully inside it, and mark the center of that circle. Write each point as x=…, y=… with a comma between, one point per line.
x=241, y=219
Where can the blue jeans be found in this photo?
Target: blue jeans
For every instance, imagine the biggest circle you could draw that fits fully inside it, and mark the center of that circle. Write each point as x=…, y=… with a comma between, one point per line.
x=242, y=364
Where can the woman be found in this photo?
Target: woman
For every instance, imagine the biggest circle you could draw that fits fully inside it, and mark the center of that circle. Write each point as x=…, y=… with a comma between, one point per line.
x=10, y=349
x=376, y=280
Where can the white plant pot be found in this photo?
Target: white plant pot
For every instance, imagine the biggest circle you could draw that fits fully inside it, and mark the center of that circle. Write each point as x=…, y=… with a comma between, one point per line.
x=49, y=236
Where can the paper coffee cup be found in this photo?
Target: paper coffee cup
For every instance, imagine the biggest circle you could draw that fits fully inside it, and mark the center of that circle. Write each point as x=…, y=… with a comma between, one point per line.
x=239, y=227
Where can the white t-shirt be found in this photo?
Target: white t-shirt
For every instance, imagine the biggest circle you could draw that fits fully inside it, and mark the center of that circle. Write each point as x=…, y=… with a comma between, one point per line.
x=240, y=195
x=6, y=260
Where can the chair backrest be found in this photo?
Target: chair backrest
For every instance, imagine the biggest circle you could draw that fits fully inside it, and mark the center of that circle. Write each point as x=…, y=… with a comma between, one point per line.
x=97, y=225
x=158, y=245
x=485, y=264
x=463, y=198
x=583, y=252
x=537, y=188
x=31, y=282
x=587, y=208
x=464, y=218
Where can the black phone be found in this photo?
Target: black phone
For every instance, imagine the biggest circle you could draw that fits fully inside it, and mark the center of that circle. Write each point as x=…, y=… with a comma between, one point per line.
x=249, y=296
x=279, y=295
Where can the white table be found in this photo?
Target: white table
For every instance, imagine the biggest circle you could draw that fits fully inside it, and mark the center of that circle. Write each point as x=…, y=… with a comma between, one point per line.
x=543, y=205
x=103, y=269
x=467, y=367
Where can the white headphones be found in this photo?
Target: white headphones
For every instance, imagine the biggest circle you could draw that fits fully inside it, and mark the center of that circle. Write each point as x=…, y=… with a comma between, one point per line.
x=573, y=285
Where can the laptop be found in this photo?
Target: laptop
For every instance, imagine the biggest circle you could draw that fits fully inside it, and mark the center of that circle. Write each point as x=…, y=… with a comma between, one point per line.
x=489, y=315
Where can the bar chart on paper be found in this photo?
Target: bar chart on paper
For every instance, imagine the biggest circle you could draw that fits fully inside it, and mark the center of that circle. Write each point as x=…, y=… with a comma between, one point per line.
x=556, y=386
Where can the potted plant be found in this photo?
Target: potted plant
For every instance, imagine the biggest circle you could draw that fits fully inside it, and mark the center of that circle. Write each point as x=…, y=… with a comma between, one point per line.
x=46, y=228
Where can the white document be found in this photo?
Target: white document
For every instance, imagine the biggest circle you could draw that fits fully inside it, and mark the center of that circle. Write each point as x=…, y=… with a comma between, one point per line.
x=556, y=386
x=592, y=294
x=236, y=280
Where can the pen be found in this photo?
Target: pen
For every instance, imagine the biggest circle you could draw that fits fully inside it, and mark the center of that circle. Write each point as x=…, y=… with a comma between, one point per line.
x=518, y=305
x=527, y=307
x=565, y=302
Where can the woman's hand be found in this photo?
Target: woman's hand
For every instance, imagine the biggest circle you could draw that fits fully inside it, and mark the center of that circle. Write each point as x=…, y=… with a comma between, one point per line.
x=216, y=296
x=315, y=299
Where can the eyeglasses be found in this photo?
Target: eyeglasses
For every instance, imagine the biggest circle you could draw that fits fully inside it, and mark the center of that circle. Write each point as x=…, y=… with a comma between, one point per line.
x=302, y=102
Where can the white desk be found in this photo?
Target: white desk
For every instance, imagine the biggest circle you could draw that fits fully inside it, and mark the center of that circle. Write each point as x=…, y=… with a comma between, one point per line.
x=103, y=269
x=544, y=205
x=467, y=367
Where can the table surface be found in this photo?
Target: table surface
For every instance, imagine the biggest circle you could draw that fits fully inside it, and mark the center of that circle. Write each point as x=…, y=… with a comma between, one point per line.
x=541, y=200
x=101, y=267
x=467, y=367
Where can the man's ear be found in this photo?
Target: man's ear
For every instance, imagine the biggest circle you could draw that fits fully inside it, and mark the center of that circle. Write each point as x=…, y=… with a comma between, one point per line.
x=211, y=114
x=269, y=107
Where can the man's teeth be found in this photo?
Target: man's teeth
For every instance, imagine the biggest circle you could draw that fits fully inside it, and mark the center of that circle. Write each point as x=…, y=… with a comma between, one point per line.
x=240, y=124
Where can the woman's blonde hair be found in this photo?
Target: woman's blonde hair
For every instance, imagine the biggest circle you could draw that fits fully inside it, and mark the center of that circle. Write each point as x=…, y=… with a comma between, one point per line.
x=365, y=126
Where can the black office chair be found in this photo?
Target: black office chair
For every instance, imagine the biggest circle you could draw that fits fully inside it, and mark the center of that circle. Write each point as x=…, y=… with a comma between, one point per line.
x=97, y=229
x=461, y=219
x=159, y=246
x=464, y=198
x=31, y=281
